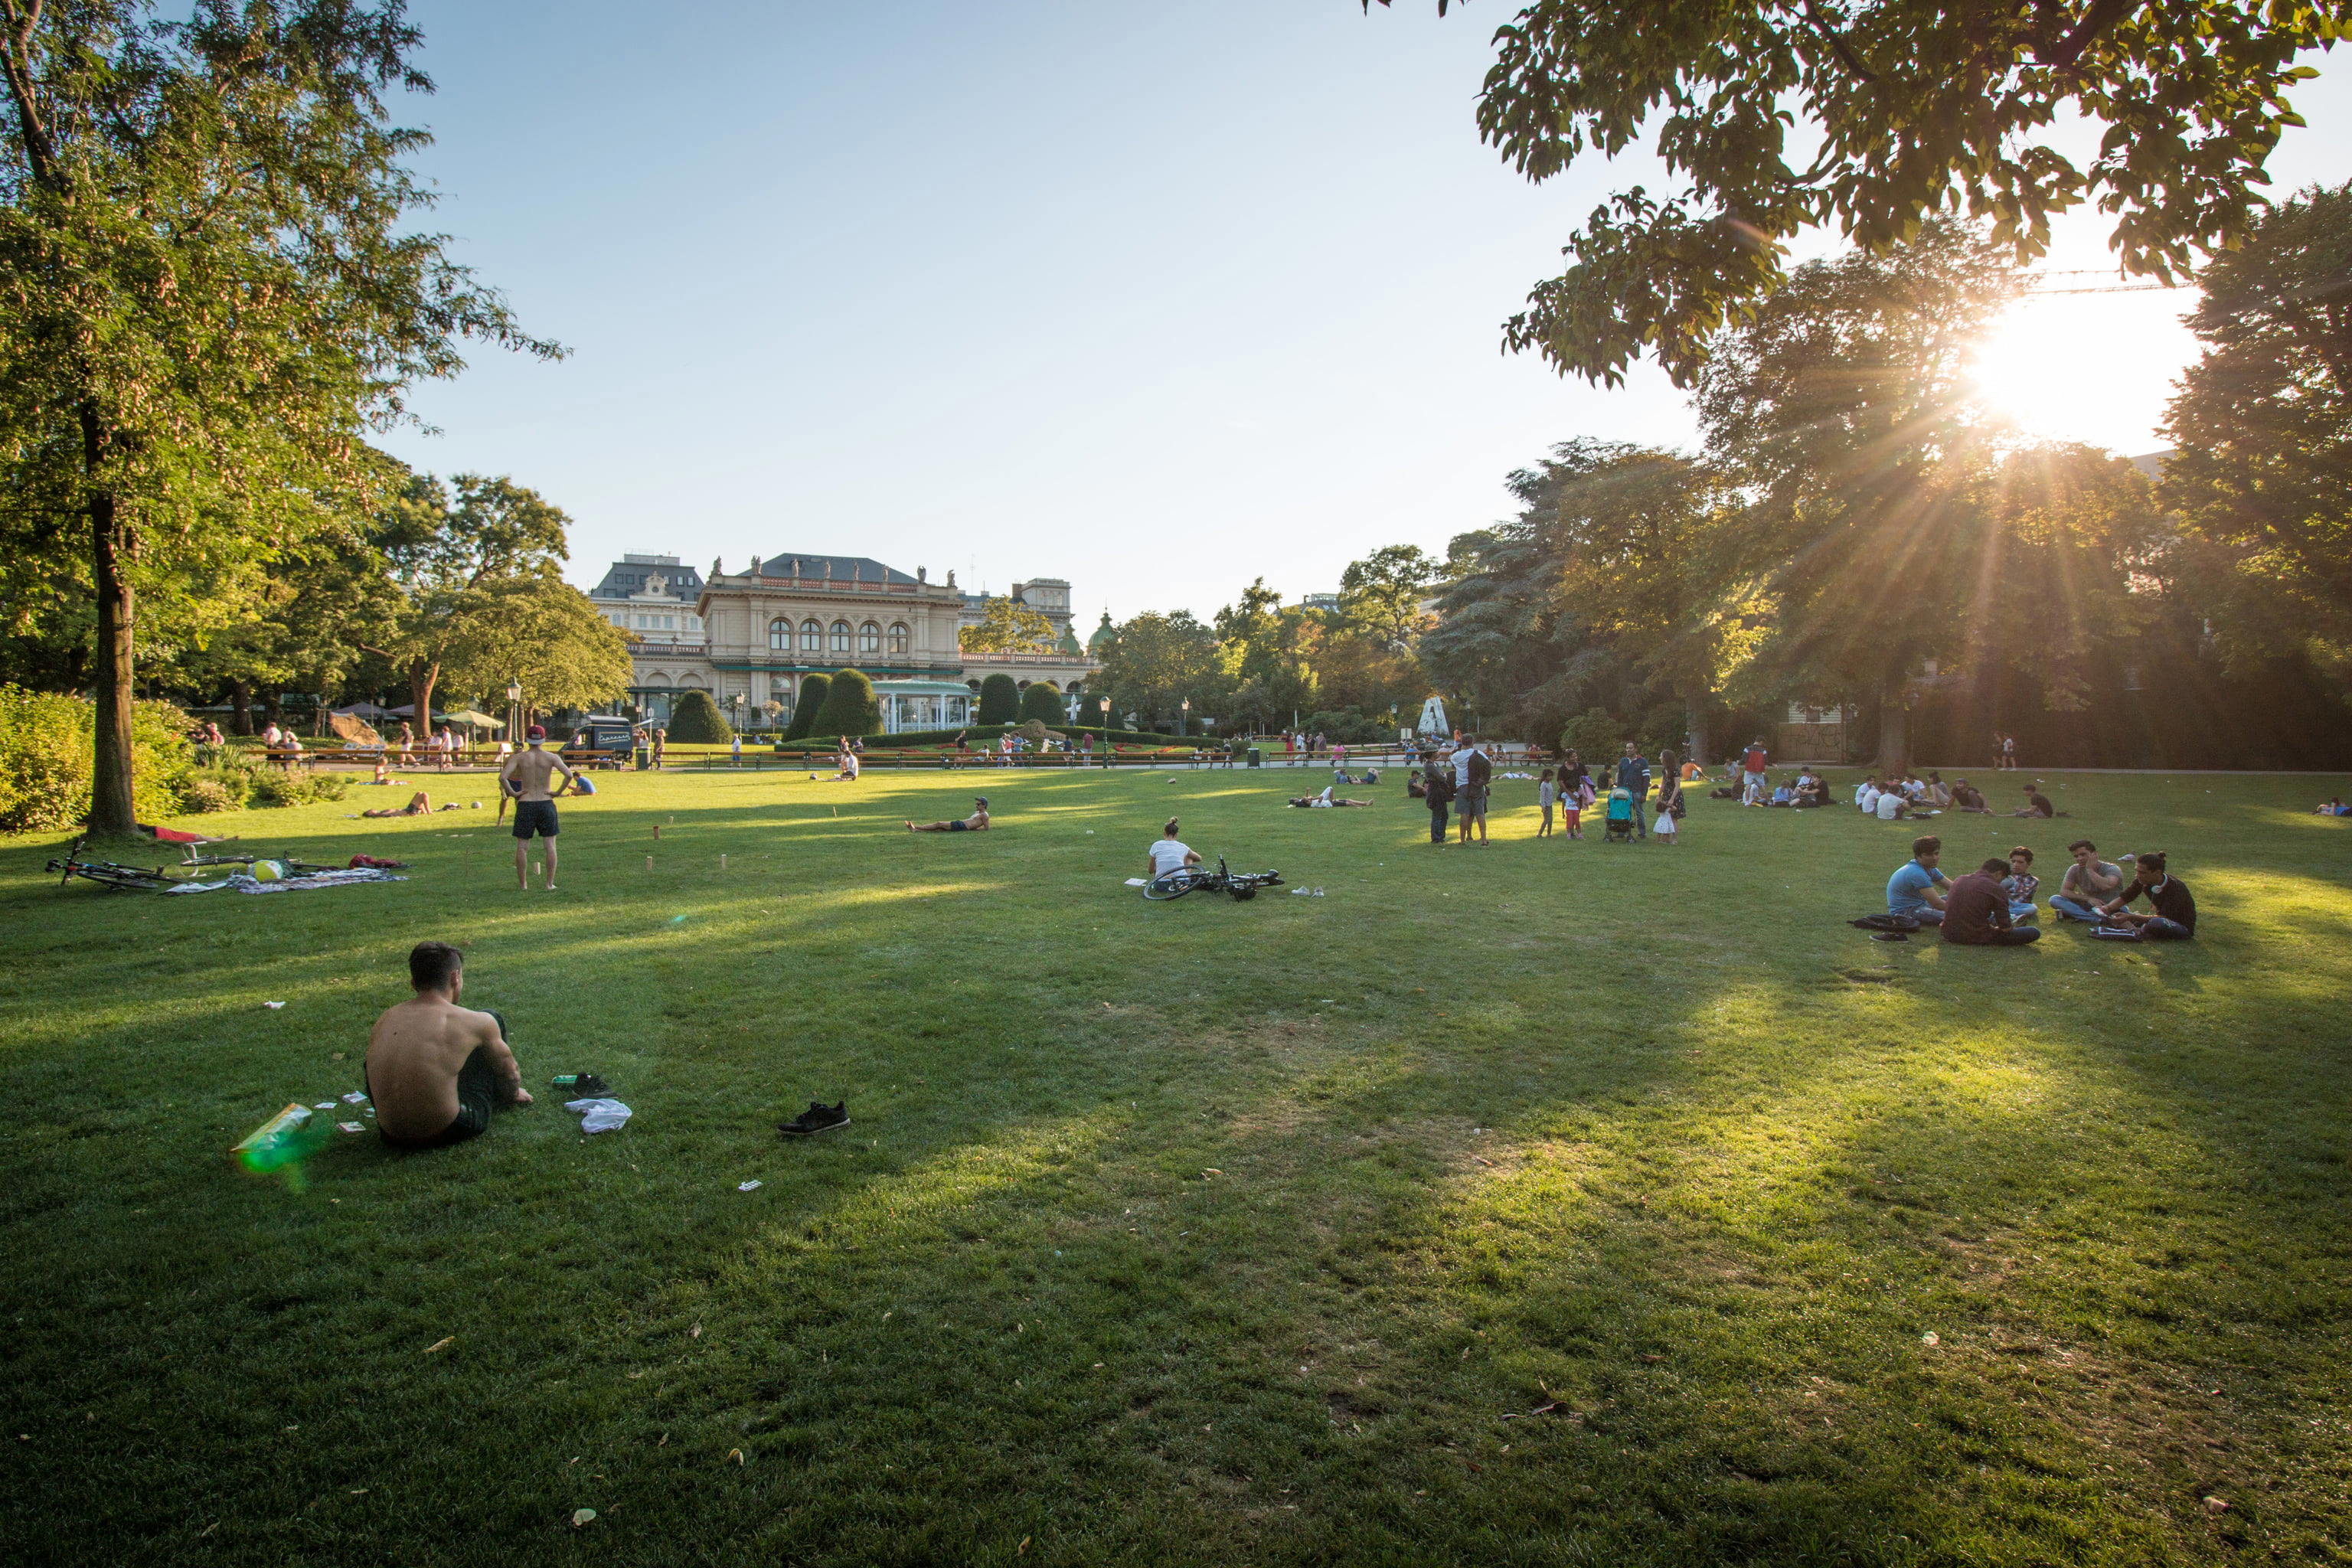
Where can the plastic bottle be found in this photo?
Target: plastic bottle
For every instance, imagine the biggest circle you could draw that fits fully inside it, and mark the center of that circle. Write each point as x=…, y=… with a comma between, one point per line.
x=285, y=1139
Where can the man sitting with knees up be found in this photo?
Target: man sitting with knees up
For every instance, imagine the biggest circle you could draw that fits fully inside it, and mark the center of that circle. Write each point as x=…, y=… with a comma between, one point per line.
x=1976, y=910
x=436, y=1070
x=2174, y=912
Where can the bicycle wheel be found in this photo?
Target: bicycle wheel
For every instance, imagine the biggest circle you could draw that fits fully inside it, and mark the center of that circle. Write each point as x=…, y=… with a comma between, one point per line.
x=1174, y=884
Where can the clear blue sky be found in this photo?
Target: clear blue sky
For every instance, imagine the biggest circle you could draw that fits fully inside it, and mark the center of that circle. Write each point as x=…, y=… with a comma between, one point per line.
x=1157, y=299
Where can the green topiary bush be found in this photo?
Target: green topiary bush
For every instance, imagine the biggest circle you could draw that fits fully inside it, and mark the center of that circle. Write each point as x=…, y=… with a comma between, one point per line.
x=695, y=720
x=850, y=707
x=1042, y=701
x=1000, y=701
x=813, y=688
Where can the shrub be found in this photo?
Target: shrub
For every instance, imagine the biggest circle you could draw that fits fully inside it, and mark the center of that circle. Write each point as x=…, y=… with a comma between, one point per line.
x=1348, y=726
x=47, y=744
x=1043, y=702
x=1593, y=736
x=199, y=794
x=813, y=690
x=1000, y=701
x=850, y=707
x=291, y=788
x=695, y=720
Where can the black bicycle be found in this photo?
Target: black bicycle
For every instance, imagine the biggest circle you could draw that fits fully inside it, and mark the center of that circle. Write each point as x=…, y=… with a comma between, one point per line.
x=1183, y=880
x=113, y=878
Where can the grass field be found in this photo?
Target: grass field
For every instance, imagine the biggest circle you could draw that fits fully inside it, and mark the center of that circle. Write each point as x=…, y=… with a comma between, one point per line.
x=1197, y=1232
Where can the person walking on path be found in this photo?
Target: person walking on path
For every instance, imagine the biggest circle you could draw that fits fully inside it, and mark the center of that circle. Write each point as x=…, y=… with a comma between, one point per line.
x=661, y=744
x=525, y=777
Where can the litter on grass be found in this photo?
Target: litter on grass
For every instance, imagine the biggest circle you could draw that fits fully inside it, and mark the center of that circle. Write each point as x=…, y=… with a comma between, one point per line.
x=747, y=1187
x=599, y=1115
x=1131, y=881
x=273, y=1003
x=354, y=1098
x=350, y=1127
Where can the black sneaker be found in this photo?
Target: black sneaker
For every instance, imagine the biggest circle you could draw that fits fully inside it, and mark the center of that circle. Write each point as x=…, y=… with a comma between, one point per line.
x=818, y=1118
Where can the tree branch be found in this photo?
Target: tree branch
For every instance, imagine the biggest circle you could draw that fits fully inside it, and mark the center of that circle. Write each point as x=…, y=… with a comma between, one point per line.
x=2102, y=14
x=1837, y=43
x=16, y=67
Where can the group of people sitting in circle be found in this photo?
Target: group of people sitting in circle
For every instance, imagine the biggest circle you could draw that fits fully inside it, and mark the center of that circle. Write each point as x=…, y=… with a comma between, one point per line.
x=1989, y=907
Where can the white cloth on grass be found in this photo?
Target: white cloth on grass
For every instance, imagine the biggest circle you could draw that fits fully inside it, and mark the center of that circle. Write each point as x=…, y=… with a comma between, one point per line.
x=598, y=1115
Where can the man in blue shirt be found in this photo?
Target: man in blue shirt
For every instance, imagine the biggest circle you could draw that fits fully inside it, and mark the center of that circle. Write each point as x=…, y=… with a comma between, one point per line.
x=1916, y=889
x=1633, y=775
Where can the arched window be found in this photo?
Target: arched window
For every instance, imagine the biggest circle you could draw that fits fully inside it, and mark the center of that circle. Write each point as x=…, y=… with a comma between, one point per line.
x=899, y=637
x=812, y=637
x=841, y=637
x=869, y=639
x=780, y=635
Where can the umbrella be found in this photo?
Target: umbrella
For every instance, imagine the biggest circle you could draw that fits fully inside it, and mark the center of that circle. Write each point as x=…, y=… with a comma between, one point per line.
x=467, y=716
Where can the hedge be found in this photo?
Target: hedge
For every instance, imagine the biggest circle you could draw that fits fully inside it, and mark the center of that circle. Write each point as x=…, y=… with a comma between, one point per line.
x=1000, y=701
x=850, y=707
x=805, y=709
x=695, y=720
x=980, y=735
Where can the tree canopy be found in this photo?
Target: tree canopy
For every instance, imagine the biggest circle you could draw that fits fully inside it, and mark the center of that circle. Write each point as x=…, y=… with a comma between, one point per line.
x=210, y=296
x=1870, y=117
x=1007, y=628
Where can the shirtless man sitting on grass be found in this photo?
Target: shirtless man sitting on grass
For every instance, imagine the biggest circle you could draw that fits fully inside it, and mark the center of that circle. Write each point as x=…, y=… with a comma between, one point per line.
x=436, y=1070
x=976, y=823
x=525, y=777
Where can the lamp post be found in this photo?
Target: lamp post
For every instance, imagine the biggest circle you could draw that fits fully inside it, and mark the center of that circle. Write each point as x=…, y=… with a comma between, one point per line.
x=1184, y=722
x=514, y=711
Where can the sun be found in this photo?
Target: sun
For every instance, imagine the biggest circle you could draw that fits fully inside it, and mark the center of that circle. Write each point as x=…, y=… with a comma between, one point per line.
x=2091, y=368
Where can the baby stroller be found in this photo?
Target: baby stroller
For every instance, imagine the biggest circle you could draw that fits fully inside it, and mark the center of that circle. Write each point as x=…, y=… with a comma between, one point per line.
x=1618, y=828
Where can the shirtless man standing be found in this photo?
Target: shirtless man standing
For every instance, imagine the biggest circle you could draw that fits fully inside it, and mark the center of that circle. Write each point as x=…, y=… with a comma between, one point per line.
x=436, y=1070
x=525, y=777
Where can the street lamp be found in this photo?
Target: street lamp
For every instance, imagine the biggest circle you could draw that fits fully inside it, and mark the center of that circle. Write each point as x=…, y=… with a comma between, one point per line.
x=1184, y=724
x=514, y=709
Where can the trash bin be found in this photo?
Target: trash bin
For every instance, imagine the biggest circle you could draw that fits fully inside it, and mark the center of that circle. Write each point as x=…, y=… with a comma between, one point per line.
x=645, y=758
x=1256, y=758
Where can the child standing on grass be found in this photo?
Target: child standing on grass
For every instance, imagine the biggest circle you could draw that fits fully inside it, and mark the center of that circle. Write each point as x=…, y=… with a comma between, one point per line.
x=1574, y=796
x=1670, y=799
x=1546, y=794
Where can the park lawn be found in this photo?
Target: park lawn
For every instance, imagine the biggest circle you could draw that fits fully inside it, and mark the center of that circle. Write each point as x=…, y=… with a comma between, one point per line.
x=1549, y=1203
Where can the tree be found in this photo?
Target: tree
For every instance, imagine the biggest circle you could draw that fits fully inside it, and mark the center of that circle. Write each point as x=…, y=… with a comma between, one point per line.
x=1157, y=663
x=1652, y=561
x=1042, y=701
x=544, y=634
x=695, y=720
x=851, y=707
x=454, y=566
x=209, y=296
x=1007, y=628
x=2261, y=469
x=1000, y=701
x=1381, y=597
x=1917, y=108
x=813, y=688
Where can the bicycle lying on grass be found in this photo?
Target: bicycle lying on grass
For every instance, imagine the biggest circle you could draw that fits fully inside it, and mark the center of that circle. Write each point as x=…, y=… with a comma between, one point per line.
x=120, y=878
x=1185, y=879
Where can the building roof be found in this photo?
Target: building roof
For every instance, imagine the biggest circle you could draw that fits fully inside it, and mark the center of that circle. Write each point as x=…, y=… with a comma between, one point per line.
x=837, y=568
x=629, y=574
x=1103, y=639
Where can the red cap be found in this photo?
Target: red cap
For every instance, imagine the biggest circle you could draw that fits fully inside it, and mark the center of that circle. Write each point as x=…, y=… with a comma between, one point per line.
x=536, y=732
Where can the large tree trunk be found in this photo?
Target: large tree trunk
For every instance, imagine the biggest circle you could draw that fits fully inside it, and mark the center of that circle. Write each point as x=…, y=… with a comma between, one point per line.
x=1894, y=729
x=240, y=708
x=1702, y=750
x=422, y=678
x=111, y=811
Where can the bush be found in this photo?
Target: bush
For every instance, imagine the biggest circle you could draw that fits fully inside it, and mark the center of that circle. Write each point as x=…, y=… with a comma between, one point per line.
x=1348, y=727
x=1000, y=701
x=1042, y=701
x=850, y=707
x=200, y=795
x=813, y=691
x=695, y=720
x=1593, y=736
x=46, y=745
x=291, y=788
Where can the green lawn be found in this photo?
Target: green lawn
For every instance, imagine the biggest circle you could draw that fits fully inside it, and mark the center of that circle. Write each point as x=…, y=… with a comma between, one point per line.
x=1199, y=1232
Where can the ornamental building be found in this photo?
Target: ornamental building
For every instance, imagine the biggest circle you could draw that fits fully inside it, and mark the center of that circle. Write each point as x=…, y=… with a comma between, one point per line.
x=750, y=637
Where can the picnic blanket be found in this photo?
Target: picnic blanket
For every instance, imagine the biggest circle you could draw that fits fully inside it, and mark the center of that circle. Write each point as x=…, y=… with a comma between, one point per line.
x=245, y=884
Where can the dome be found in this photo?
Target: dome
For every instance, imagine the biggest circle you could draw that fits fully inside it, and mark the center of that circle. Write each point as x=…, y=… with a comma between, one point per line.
x=1099, y=644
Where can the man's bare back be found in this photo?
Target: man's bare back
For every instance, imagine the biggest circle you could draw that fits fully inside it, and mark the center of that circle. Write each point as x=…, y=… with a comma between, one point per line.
x=527, y=773
x=416, y=1055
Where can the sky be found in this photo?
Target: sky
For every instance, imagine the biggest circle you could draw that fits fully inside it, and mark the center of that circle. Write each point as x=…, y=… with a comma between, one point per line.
x=1154, y=299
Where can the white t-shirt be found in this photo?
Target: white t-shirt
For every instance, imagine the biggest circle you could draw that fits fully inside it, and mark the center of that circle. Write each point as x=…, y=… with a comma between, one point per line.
x=1167, y=854
x=1866, y=797
x=1890, y=806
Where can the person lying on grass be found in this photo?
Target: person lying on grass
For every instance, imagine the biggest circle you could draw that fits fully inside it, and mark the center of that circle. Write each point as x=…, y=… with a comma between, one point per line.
x=1976, y=912
x=2173, y=916
x=1914, y=890
x=419, y=804
x=976, y=823
x=436, y=1070
x=1326, y=799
